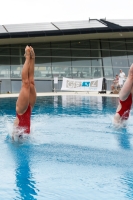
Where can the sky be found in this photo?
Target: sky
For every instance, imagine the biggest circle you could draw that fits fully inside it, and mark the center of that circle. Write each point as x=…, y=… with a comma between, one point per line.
x=35, y=11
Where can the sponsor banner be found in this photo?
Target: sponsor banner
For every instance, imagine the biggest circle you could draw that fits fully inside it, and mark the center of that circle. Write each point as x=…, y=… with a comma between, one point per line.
x=82, y=85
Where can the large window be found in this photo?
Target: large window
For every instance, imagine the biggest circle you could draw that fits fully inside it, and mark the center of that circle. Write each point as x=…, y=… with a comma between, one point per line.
x=97, y=72
x=118, y=53
x=81, y=58
x=42, y=61
x=105, y=53
x=16, y=62
x=4, y=71
x=95, y=54
x=4, y=51
x=60, y=49
x=42, y=49
x=108, y=72
x=80, y=49
x=106, y=59
x=75, y=59
x=81, y=67
x=61, y=67
x=16, y=71
x=43, y=67
x=4, y=62
x=129, y=45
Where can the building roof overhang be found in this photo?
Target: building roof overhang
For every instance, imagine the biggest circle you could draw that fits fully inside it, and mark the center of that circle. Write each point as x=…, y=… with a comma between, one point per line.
x=65, y=31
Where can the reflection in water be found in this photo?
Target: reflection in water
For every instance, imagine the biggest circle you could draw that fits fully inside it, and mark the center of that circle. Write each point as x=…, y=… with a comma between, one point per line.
x=55, y=101
x=71, y=100
x=24, y=178
x=124, y=139
x=81, y=101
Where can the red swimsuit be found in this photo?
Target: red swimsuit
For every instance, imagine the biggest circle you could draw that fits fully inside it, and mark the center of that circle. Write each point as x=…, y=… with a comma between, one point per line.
x=125, y=107
x=24, y=120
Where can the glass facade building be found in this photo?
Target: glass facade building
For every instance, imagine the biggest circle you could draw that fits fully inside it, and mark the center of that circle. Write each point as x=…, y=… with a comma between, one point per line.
x=85, y=49
x=74, y=59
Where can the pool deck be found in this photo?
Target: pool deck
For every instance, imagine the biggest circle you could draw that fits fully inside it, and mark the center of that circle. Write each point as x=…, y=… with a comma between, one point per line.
x=64, y=93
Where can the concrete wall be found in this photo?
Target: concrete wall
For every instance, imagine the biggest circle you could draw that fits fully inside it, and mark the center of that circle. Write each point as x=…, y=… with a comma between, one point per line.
x=16, y=85
x=5, y=86
x=44, y=86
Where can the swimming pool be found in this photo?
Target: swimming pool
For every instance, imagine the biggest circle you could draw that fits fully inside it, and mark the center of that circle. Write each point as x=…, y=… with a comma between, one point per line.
x=73, y=153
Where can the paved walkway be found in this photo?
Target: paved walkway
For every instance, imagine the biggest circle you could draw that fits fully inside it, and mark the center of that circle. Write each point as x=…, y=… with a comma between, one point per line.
x=64, y=93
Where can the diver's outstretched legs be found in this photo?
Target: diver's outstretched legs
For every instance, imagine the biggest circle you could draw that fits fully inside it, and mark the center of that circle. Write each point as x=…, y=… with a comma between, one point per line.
x=23, y=99
x=32, y=98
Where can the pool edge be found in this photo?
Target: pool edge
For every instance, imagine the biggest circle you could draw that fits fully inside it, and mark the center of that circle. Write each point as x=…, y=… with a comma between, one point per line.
x=64, y=93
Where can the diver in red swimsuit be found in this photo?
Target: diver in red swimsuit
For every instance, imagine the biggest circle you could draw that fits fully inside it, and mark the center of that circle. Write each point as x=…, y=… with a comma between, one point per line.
x=27, y=95
x=125, y=99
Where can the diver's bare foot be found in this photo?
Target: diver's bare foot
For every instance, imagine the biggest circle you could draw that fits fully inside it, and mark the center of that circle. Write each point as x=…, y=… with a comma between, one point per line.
x=130, y=73
x=27, y=52
x=32, y=53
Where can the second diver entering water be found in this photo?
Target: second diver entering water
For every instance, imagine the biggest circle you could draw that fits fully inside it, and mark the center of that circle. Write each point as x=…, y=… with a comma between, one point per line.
x=125, y=99
x=27, y=95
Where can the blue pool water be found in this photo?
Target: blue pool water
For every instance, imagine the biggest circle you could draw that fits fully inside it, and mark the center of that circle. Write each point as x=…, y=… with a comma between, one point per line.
x=73, y=153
